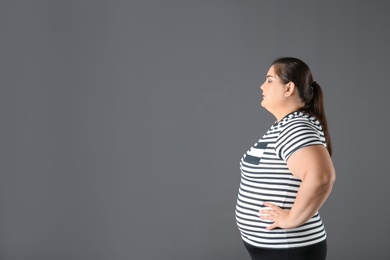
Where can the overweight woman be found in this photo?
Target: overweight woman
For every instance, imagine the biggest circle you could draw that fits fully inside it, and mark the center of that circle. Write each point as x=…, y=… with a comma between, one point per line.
x=287, y=175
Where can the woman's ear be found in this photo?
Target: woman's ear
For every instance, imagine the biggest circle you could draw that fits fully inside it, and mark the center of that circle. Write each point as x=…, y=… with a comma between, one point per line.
x=290, y=89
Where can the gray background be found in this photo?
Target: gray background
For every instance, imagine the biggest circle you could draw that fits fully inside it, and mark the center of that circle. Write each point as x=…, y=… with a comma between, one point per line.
x=123, y=123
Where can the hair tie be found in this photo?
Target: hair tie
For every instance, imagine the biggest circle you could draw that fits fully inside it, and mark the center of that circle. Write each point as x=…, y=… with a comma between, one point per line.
x=314, y=84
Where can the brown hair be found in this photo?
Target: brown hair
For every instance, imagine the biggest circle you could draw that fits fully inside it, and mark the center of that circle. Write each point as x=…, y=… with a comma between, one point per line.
x=295, y=70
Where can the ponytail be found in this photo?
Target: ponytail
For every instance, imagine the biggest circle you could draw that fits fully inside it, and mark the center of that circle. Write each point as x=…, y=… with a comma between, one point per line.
x=316, y=109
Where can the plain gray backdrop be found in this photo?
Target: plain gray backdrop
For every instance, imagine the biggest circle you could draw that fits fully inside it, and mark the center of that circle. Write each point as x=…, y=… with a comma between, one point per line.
x=123, y=123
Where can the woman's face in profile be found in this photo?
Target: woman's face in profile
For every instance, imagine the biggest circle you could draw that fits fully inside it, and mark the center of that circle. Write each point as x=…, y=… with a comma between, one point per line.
x=273, y=91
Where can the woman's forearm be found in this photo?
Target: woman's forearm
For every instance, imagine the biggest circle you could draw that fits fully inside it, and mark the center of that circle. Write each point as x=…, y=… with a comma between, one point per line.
x=311, y=196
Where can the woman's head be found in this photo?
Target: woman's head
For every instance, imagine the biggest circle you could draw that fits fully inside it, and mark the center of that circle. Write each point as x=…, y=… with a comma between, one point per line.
x=296, y=71
x=289, y=69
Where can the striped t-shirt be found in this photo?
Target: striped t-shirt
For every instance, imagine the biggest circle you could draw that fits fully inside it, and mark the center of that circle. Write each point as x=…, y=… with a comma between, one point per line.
x=265, y=177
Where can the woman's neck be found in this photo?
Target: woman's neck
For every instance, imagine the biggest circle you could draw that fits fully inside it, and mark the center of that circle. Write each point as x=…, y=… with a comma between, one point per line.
x=288, y=110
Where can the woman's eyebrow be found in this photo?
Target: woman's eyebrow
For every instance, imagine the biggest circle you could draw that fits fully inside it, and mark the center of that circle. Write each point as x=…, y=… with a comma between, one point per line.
x=269, y=76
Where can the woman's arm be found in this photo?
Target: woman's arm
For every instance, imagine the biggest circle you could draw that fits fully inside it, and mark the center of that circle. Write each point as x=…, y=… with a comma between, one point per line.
x=314, y=167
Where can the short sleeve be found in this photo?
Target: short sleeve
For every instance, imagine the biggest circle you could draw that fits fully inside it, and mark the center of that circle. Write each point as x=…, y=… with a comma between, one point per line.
x=296, y=135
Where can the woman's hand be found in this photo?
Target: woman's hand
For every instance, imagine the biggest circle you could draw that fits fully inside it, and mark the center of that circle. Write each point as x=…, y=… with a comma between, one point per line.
x=276, y=214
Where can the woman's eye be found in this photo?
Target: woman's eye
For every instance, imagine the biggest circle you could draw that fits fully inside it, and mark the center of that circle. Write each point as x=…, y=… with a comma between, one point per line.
x=269, y=81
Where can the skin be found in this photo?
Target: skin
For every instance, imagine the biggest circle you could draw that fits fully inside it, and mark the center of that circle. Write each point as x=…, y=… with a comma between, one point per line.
x=312, y=164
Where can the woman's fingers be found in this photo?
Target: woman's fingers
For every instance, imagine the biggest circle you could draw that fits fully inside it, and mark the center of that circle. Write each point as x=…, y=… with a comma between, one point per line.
x=272, y=206
x=273, y=209
x=275, y=214
x=270, y=227
x=266, y=216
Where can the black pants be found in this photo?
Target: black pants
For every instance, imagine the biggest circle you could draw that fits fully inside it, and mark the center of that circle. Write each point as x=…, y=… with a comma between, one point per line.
x=312, y=252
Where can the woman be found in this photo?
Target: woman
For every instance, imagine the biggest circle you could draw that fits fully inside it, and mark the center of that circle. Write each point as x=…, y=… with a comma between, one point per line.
x=288, y=174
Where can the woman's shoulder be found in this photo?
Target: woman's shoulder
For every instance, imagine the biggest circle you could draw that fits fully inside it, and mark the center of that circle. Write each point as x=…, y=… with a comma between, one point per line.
x=299, y=130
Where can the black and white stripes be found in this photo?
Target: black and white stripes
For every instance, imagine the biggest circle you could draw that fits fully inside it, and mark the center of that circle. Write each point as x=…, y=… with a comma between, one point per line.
x=265, y=177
